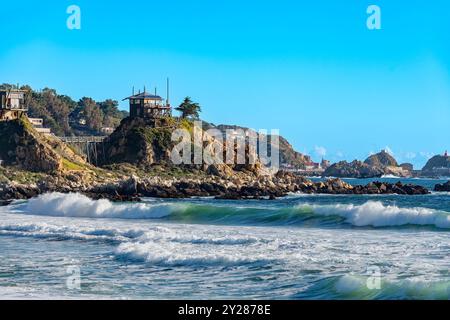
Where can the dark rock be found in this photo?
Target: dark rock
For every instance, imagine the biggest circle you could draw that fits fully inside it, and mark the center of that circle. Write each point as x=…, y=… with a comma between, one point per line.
x=113, y=197
x=129, y=187
x=445, y=187
x=4, y=203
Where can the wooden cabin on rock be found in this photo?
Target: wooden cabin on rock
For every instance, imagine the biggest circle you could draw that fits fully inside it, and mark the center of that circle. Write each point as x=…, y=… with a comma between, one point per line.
x=150, y=107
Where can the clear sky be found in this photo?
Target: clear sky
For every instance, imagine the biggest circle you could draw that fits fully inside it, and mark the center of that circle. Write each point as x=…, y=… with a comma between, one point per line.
x=309, y=68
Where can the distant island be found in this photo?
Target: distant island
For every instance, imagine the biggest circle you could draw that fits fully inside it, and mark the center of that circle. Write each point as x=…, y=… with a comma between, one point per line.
x=49, y=143
x=384, y=164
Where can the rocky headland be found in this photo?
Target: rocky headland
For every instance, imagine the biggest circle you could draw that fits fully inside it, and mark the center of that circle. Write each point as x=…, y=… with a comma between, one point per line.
x=135, y=163
x=437, y=166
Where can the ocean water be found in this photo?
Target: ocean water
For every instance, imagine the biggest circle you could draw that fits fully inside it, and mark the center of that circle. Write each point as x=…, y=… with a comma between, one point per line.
x=299, y=247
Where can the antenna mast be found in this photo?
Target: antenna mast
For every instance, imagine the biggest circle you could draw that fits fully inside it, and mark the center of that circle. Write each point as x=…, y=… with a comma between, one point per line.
x=167, y=99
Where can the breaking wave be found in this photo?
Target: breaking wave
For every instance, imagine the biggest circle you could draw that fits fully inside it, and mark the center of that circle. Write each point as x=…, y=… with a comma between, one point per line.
x=149, y=234
x=370, y=214
x=376, y=214
x=157, y=246
x=78, y=205
x=390, y=176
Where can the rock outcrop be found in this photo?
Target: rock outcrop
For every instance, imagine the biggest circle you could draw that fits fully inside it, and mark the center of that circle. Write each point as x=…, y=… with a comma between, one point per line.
x=389, y=165
x=354, y=169
x=381, y=160
x=288, y=156
x=269, y=187
x=374, y=166
x=407, y=167
x=22, y=146
x=438, y=165
x=137, y=143
x=444, y=187
x=264, y=187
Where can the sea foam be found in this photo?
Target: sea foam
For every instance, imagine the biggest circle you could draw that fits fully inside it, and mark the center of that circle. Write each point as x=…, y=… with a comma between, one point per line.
x=172, y=255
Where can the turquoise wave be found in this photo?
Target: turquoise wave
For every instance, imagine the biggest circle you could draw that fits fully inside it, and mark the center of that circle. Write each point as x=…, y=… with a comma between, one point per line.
x=374, y=214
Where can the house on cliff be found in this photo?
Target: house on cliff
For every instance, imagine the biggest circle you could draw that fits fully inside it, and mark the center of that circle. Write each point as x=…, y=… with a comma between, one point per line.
x=151, y=107
x=13, y=107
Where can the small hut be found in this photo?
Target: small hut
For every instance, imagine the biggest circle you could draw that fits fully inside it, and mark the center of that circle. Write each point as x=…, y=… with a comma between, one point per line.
x=12, y=104
x=147, y=105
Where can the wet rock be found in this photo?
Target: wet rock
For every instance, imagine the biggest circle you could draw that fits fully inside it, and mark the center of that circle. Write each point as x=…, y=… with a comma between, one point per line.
x=445, y=187
x=4, y=203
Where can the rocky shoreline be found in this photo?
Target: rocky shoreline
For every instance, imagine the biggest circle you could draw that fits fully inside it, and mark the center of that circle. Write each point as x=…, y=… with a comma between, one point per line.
x=263, y=187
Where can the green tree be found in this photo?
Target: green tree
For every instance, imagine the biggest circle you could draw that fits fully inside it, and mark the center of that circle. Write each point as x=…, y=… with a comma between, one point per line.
x=92, y=113
x=54, y=109
x=111, y=113
x=189, y=109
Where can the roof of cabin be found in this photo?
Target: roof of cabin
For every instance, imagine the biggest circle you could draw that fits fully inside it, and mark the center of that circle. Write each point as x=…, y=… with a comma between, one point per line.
x=8, y=91
x=144, y=95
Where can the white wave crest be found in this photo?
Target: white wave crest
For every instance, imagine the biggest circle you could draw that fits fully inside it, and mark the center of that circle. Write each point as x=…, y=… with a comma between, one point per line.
x=376, y=214
x=78, y=205
x=390, y=176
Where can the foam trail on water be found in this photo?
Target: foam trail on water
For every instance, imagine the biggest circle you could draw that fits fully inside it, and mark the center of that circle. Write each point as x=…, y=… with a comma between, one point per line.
x=169, y=254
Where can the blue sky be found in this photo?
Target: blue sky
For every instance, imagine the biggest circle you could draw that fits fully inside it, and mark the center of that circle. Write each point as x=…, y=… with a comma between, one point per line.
x=309, y=68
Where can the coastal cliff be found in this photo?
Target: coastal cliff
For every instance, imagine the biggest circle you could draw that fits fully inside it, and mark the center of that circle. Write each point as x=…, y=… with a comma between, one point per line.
x=22, y=146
